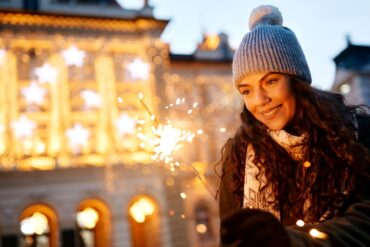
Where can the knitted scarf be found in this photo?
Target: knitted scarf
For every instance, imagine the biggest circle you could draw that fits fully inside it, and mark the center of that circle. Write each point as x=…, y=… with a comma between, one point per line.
x=252, y=199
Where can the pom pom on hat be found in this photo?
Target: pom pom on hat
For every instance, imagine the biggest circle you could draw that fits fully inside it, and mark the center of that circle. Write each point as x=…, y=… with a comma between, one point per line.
x=265, y=15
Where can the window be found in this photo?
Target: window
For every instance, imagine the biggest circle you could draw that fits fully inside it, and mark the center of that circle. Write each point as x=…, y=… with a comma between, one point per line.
x=345, y=88
x=93, y=224
x=38, y=227
x=144, y=221
x=203, y=223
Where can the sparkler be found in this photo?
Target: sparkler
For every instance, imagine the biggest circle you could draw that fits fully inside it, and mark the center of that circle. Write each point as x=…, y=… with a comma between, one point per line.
x=168, y=139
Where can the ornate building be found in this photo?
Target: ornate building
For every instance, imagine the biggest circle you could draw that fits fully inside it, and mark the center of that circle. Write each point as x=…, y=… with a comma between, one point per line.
x=106, y=138
x=352, y=76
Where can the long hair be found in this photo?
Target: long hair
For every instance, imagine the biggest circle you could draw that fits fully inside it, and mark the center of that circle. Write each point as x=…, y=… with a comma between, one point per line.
x=338, y=161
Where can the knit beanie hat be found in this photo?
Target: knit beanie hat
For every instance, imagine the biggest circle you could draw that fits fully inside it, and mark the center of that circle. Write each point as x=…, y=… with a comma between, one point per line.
x=269, y=47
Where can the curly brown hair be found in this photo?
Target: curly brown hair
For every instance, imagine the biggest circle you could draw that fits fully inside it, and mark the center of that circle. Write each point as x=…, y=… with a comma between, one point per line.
x=338, y=161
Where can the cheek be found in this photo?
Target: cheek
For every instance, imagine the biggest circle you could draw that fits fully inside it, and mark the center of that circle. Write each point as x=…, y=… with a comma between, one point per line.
x=248, y=105
x=291, y=105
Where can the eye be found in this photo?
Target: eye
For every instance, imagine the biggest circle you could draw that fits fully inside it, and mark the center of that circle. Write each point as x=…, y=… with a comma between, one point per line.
x=271, y=81
x=245, y=92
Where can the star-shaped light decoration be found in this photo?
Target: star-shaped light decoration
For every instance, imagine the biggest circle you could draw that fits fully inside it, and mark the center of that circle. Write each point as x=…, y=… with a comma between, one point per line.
x=23, y=127
x=138, y=69
x=91, y=98
x=125, y=124
x=46, y=74
x=78, y=137
x=34, y=93
x=2, y=55
x=73, y=56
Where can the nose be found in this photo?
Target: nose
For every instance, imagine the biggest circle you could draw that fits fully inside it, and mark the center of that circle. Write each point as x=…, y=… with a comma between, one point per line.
x=261, y=97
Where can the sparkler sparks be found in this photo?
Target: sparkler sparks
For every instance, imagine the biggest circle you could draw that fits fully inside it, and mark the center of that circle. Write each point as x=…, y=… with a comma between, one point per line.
x=166, y=140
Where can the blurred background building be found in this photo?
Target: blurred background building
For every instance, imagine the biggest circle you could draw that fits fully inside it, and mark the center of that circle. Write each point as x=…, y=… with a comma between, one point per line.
x=352, y=77
x=83, y=83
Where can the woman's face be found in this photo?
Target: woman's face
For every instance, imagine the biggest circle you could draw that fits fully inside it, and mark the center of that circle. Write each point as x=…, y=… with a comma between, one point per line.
x=269, y=98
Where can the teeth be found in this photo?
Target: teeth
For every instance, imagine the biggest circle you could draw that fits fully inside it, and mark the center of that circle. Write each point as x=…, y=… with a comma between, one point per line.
x=272, y=111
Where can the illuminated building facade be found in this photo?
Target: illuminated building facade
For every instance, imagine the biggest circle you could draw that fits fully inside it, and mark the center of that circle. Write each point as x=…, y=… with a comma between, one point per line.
x=81, y=90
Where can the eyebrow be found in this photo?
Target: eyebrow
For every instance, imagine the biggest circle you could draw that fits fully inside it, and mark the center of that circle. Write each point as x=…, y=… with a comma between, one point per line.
x=263, y=78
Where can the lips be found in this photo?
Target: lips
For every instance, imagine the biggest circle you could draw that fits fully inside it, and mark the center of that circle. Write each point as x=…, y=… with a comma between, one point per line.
x=271, y=112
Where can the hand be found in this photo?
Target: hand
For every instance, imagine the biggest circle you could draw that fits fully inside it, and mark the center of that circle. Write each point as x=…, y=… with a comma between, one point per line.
x=253, y=227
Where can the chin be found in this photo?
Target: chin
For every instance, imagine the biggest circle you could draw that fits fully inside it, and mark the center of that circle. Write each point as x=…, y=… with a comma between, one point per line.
x=275, y=127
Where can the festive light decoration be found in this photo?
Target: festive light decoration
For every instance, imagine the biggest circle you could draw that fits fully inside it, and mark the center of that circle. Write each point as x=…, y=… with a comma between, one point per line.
x=36, y=224
x=23, y=127
x=306, y=164
x=317, y=234
x=34, y=94
x=78, y=137
x=2, y=55
x=138, y=69
x=125, y=124
x=92, y=99
x=46, y=73
x=183, y=195
x=87, y=218
x=141, y=209
x=73, y=56
x=201, y=228
x=300, y=223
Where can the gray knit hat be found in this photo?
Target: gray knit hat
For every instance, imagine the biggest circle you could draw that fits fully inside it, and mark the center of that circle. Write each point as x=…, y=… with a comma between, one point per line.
x=269, y=47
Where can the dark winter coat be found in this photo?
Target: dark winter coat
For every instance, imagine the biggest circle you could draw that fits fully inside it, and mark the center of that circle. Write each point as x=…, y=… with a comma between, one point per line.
x=352, y=229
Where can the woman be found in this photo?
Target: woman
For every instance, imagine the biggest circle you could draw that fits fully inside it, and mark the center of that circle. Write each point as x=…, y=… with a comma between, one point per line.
x=300, y=154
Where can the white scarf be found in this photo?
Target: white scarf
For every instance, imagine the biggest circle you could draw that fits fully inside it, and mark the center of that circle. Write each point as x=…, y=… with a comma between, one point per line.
x=252, y=198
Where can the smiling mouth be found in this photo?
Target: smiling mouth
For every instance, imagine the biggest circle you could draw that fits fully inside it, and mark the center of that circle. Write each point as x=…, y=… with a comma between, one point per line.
x=271, y=112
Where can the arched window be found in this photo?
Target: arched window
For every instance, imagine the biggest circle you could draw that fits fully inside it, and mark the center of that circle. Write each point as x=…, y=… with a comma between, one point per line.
x=38, y=225
x=144, y=221
x=93, y=221
x=203, y=224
